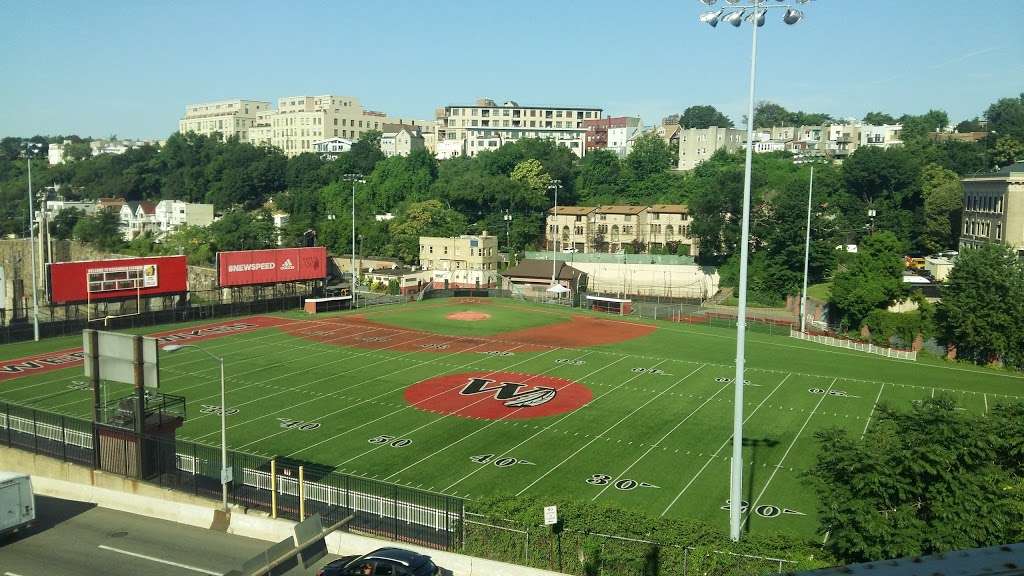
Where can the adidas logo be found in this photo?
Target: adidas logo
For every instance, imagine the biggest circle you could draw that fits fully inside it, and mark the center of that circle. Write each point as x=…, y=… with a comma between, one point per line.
x=287, y=265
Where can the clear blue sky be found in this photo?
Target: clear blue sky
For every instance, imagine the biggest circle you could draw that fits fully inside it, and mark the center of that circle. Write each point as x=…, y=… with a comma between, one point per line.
x=129, y=68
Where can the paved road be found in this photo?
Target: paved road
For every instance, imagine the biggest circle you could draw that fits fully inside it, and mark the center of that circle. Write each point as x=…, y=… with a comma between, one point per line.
x=77, y=539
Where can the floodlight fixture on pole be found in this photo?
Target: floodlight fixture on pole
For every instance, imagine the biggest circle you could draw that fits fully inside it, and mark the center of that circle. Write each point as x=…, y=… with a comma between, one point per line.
x=353, y=177
x=753, y=11
x=225, y=470
x=31, y=148
x=508, y=233
x=554, y=184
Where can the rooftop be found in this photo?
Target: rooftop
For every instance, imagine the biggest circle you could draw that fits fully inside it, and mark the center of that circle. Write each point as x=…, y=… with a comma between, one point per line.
x=670, y=208
x=542, y=269
x=573, y=210
x=621, y=209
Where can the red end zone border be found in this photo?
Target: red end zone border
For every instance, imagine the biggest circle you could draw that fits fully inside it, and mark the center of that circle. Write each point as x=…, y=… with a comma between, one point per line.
x=10, y=369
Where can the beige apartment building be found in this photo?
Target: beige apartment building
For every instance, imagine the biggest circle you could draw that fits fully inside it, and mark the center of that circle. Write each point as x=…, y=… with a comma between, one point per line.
x=228, y=117
x=994, y=209
x=400, y=140
x=698, y=144
x=586, y=229
x=467, y=261
x=485, y=125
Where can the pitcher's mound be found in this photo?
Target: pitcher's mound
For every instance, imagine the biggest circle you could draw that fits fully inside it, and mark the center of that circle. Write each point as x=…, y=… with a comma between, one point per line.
x=468, y=316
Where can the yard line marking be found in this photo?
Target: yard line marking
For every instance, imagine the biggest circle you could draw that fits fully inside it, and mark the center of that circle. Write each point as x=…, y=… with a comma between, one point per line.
x=985, y=396
x=160, y=560
x=11, y=574
x=492, y=422
x=609, y=429
x=756, y=501
x=402, y=387
x=660, y=440
x=724, y=444
x=544, y=429
x=311, y=382
x=873, y=406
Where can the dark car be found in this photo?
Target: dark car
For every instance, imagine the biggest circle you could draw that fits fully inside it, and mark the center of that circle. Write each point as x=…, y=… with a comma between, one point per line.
x=385, y=562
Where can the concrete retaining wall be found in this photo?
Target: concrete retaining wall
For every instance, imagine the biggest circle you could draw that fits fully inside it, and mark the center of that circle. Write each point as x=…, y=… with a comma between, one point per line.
x=51, y=477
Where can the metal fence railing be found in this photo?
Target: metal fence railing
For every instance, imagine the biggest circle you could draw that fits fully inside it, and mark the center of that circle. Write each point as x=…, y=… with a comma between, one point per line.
x=71, y=319
x=284, y=488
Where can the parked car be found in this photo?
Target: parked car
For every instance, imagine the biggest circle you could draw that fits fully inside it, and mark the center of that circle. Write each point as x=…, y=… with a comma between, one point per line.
x=386, y=562
x=17, y=503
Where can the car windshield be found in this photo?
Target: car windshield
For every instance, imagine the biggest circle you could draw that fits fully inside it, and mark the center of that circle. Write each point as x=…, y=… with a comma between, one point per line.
x=425, y=569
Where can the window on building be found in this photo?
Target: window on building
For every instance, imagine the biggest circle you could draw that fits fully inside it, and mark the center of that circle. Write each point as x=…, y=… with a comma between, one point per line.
x=999, y=231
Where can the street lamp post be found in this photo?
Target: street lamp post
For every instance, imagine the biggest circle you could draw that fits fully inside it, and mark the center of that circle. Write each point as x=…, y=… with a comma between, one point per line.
x=508, y=234
x=807, y=255
x=754, y=12
x=354, y=177
x=31, y=148
x=554, y=185
x=225, y=471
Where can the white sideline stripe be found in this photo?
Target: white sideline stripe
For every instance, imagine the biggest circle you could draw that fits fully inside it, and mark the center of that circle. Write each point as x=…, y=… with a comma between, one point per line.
x=660, y=440
x=724, y=444
x=753, y=505
x=873, y=406
x=389, y=414
x=160, y=560
x=606, y=430
x=11, y=574
x=489, y=424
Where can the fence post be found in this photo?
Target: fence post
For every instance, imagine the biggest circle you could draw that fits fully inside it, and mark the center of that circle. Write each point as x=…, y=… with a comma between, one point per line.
x=63, y=440
x=302, y=495
x=7, y=422
x=273, y=488
x=195, y=470
x=35, y=429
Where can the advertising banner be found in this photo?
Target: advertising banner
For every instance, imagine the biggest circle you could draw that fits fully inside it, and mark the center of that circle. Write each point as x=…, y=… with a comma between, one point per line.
x=92, y=280
x=249, y=267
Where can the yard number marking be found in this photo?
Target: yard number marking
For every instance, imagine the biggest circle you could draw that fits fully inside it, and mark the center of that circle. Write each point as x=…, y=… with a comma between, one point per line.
x=624, y=484
x=723, y=380
x=210, y=409
x=570, y=361
x=292, y=424
x=504, y=462
x=765, y=510
x=499, y=353
x=374, y=339
x=657, y=371
x=79, y=385
x=434, y=346
x=839, y=393
x=390, y=441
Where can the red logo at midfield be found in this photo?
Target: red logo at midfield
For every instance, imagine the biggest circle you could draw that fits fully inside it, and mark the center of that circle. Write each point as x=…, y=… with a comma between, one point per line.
x=495, y=395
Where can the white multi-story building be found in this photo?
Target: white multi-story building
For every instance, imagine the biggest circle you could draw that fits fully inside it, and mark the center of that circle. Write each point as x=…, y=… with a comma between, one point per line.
x=56, y=152
x=229, y=118
x=486, y=125
x=399, y=140
x=467, y=261
x=883, y=136
x=330, y=148
x=172, y=214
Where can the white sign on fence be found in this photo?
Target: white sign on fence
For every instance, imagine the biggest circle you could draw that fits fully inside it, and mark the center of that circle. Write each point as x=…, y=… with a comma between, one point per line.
x=550, y=515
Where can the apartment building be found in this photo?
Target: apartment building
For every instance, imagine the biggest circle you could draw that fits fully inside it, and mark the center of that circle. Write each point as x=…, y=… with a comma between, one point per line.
x=138, y=218
x=299, y=121
x=400, y=140
x=613, y=133
x=668, y=228
x=486, y=125
x=466, y=261
x=331, y=148
x=698, y=144
x=230, y=118
x=56, y=151
x=994, y=209
x=616, y=227
x=883, y=136
x=572, y=227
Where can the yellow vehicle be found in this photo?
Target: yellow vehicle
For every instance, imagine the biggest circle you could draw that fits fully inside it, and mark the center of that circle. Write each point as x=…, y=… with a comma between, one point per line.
x=914, y=262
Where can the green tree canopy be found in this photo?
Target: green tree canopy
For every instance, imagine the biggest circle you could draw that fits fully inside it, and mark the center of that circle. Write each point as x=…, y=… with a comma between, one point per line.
x=240, y=230
x=919, y=126
x=102, y=229
x=704, y=116
x=769, y=114
x=531, y=173
x=878, y=118
x=923, y=481
x=62, y=226
x=649, y=156
x=981, y=312
x=943, y=198
x=871, y=279
x=1007, y=150
x=1006, y=117
x=427, y=218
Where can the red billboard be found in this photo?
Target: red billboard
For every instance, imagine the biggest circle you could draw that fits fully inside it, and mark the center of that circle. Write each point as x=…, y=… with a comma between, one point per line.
x=92, y=280
x=248, y=267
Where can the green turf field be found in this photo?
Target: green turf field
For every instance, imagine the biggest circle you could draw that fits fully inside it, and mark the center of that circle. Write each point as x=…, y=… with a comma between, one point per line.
x=654, y=436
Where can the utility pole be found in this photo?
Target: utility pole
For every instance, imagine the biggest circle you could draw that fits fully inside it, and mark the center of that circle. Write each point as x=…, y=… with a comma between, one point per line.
x=30, y=149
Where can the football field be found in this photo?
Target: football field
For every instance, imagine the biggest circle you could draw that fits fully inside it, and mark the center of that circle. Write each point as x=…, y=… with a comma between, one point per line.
x=481, y=397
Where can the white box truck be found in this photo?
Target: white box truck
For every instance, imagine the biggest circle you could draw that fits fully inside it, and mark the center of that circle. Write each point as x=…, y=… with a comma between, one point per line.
x=17, y=504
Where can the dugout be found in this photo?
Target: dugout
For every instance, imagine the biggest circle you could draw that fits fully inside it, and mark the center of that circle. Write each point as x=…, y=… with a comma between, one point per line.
x=620, y=306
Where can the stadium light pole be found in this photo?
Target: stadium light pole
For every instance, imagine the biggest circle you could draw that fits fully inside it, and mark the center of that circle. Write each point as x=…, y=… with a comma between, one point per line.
x=31, y=148
x=508, y=234
x=554, y=185
x=753, y=11
x=354, y=177
x=807, y=255
x=225, y=471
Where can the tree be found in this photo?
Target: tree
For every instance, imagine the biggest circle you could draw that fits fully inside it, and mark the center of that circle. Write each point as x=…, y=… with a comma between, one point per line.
x=241, y=230
x=943, y=199
x=920, y=126
x=971, y=125
x=878, y=118
x=704, y=116
x=427, y=218
x=195, y=242
x=928, y=480
x=62, y=226
x=1007, y=151
x=598, y=179
x=1006, y=117
x=981, y=312
x=531, y=174
x=77, y=151
x=650, y=156
x=102, y=229
x=871, y=280
x=365, y=153
x=769, y=114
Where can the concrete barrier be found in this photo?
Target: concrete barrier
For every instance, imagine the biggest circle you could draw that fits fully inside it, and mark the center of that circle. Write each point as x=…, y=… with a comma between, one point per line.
x=51, y=477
